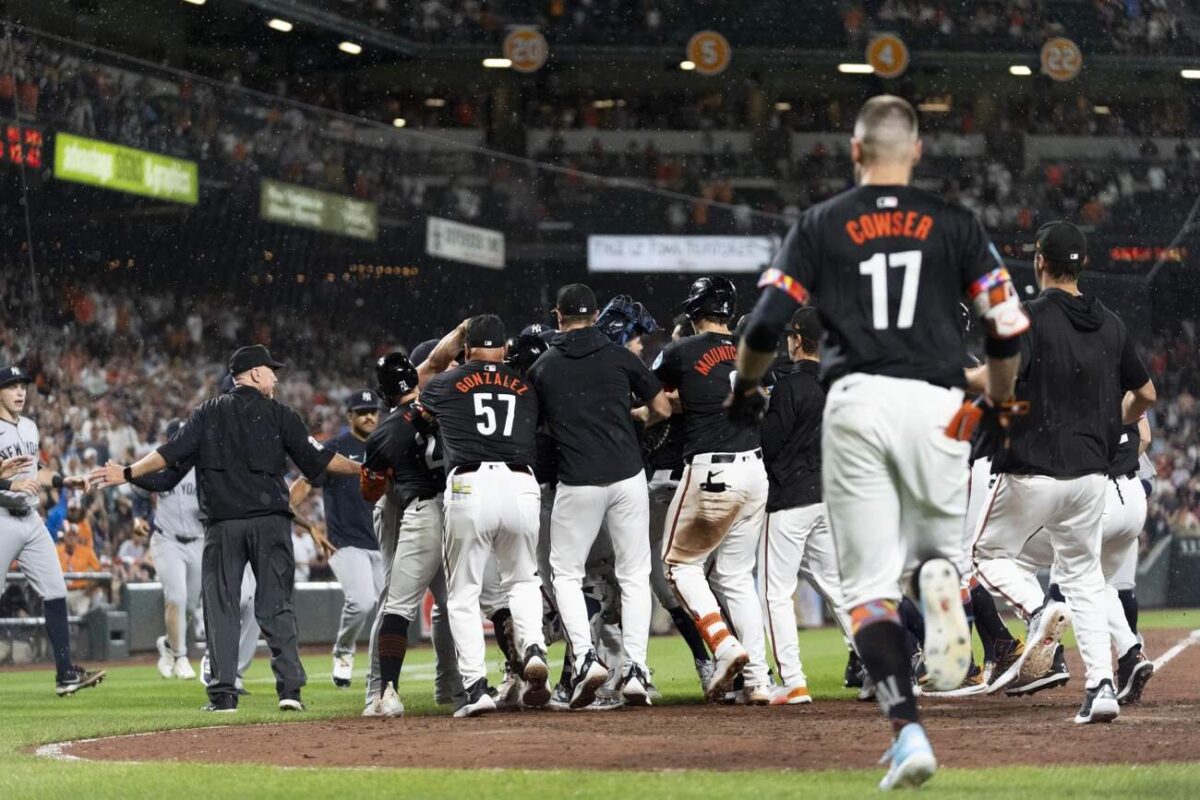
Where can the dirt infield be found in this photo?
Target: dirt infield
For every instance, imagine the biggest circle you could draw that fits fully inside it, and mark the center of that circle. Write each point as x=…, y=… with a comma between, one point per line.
x=976, y=731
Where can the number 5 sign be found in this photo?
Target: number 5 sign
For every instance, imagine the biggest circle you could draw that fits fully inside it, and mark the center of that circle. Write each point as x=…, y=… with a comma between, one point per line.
x=526, y=48
x=710, y=52
x=1061, y=59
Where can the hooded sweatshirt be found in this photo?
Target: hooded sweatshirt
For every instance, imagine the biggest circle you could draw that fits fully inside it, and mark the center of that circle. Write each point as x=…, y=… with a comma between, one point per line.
x=1077, y=362
x=587, y=386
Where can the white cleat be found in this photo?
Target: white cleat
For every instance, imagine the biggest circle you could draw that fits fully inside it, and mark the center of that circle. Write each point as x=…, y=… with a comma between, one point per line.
x=947, y=646
x=388, y=704
x=166, y=658
x=183, y=670
x=912, y=760
x=731, y=658
x=343, y=670
x=791, y=696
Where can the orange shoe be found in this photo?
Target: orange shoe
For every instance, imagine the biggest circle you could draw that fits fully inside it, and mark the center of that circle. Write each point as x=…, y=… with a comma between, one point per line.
x=790, y=696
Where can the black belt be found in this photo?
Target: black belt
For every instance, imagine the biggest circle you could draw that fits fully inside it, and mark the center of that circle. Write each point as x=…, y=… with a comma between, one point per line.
x=180, y=539
x=677, y=474
x=1131, y=474
x=727, y=458
x=475, y=465
x=18, y=513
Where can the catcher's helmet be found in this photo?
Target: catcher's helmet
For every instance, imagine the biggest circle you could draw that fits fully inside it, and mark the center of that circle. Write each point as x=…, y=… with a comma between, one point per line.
x=714, y=296
x=623, y=319
x=395, y=375
x=525, y=349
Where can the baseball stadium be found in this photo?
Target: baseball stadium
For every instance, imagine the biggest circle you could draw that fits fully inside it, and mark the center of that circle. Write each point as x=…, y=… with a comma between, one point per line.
x=593, y=398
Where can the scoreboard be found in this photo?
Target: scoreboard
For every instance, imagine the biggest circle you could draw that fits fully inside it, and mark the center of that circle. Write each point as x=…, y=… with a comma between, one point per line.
x=21, y=144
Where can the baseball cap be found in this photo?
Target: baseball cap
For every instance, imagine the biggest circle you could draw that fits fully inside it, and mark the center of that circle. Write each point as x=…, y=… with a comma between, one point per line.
x=10, y=374
x=1061, y=242
x=807, y=323
x=536, y=329
x=485, y=330
x=421, y=352
x=251, y=356
x=364, y=398
x=574, y=299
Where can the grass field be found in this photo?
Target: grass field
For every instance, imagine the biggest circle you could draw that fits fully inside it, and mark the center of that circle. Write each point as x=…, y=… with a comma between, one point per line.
x=136, y=699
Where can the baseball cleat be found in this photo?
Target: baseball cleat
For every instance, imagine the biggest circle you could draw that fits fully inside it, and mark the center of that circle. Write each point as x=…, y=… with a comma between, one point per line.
x=369, y=707
x=508, y=692
x=388, y=704
x=704, y=669
x=1008, y=654
x=947, y=647
x=1056, y=676
x=290, y=704
x=866, y=692
x=730, y=660
x=75, y=679
x=590, y=676
x=343, y=670
x=759, y=695
x=972, y=684
x=166, y=658
x=1099, y=705
x=635, y=686
x=480, y=700
x=1134, y=670
x=1046, y=628
x=560, y=698
x=223, y=704
x=911, y=757
x=790, y=696
x=606, y=700
x=182, y=669
x=536, y=675
x=852, y=678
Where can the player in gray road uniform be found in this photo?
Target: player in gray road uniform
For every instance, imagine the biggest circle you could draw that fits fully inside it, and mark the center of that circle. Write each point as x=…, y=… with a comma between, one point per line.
x=23, y=534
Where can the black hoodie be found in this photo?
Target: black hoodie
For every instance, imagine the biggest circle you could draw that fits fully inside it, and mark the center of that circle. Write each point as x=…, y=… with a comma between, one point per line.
x=1077, y=362
x=587, y=385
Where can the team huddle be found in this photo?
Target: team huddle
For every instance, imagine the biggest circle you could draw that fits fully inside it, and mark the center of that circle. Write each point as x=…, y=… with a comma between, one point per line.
x=553, y=484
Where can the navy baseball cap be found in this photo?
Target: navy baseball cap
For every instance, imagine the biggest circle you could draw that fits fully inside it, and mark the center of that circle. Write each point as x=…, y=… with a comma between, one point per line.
x=420, y=353
x=251, y=356
x=486, y=330
x=10, y=374
x=575, y=299
x=363, y=399
x=536, y=329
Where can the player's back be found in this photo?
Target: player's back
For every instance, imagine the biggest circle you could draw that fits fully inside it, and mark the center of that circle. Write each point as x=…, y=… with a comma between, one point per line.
x=889, y=267
x=485, y=412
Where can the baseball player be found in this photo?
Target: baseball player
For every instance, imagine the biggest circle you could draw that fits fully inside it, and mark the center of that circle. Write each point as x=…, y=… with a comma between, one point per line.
x=890, y=264
x=1051, y=476
x=797, y=539
x=487, y=415
x=1125, y=577
x=585, y=384
x=23, y=534
x=356, y=561
x=177, y=544
x=720, y=504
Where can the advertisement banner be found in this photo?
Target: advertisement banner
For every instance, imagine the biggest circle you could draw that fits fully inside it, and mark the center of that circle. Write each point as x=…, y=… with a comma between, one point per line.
x=301, y=207
x=469, y=244
x=680, y=253
x=125, y=169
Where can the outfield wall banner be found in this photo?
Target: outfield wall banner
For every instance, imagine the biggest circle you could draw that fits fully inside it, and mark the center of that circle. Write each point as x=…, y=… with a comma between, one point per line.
x=289, y=204
x=469, y=244
x=125, y=169
x=686, y=254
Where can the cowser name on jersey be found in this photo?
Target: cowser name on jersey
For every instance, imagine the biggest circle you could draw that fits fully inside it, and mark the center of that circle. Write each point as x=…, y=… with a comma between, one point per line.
x=885, y=224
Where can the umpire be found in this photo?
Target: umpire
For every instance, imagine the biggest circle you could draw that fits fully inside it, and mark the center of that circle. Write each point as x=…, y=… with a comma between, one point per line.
x=239, y=441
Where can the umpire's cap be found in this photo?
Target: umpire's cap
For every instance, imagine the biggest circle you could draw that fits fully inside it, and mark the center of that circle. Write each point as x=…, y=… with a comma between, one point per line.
x=11, y=374
x=251, y=356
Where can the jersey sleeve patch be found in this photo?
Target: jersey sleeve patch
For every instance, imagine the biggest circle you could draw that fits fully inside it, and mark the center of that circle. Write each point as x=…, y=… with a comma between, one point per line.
x=989, y=282
x=781, y=280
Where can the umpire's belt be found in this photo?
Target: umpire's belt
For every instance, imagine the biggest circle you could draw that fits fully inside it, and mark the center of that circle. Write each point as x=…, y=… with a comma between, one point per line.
x=726, y=458
x=17, y=513
x=475, y=466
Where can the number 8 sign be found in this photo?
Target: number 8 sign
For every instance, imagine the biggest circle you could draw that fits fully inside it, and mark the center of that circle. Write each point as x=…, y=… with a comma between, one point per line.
x=1061, y=59
x=710, y=52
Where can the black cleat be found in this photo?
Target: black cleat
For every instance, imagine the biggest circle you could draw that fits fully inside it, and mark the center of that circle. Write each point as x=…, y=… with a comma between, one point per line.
x=1134, y=670
x=853, y=676
x=591, y=677
x=1099, y=705
x=1052, y=679
x=221, y=704
x=75, y=679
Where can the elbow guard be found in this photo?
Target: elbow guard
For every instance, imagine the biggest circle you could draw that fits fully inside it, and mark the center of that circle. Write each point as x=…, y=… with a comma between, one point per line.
x=996, y=302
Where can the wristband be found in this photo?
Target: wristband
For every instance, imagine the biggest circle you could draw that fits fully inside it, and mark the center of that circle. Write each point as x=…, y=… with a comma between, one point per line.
x=1001, y=348
x=5, y=484
x=127, y=474
x=56, y=481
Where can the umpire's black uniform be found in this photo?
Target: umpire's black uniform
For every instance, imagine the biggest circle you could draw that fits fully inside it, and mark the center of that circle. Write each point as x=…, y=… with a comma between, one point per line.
x=239, y=441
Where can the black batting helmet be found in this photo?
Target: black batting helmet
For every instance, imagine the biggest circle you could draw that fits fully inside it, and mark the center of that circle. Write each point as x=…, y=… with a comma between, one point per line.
x=523, y=350
x=714, y=297
x=395, y=375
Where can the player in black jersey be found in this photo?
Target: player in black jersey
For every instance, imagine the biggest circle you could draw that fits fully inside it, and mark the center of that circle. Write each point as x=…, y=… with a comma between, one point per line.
x=487, y=415
x=888, y=265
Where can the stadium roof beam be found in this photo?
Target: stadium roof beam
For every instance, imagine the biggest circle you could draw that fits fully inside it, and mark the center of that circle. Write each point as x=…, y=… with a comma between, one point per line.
x=348, y=29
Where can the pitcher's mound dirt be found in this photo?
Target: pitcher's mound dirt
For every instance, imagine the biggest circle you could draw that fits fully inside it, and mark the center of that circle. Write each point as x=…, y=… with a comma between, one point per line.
x=967, y=732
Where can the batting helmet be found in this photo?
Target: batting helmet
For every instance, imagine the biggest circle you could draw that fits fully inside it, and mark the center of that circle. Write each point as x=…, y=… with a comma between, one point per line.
x=715, y=297
x=524, y=350
x=395, y=375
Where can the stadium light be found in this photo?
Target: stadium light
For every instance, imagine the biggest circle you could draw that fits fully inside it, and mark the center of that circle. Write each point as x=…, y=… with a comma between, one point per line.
x=934, y=107
x=435, y=102
x=783, y=106
x=856, y=69
x=399, y=122
x=1102, y=110
x=497, y=63
x=350, y=47
x=196, y=2
x=1020, y=70
x=687, y=66
x=1190, y=74
x=281, y=25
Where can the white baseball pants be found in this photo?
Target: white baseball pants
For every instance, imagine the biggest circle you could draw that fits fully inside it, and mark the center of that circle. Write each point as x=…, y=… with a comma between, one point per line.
x=720, y=506
x=1032, y=520
x=895, y=486
x=623, y=508
x=662, y=489
x=178, y=567
x=493, y=508
x=26, y=540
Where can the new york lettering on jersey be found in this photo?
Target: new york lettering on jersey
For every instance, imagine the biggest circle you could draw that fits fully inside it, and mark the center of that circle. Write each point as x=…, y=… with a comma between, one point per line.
x=700, y=368
x=888, y=266
x=485, y=412
x=19, y=439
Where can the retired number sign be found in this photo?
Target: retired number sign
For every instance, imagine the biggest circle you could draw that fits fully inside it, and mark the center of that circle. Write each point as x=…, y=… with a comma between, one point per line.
x=527, y=49
x=710, y=52
x=1061, y=59
x=888, y=55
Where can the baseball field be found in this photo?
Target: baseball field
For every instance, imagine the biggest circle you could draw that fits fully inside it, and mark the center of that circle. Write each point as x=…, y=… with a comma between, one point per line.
x=990, y=747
